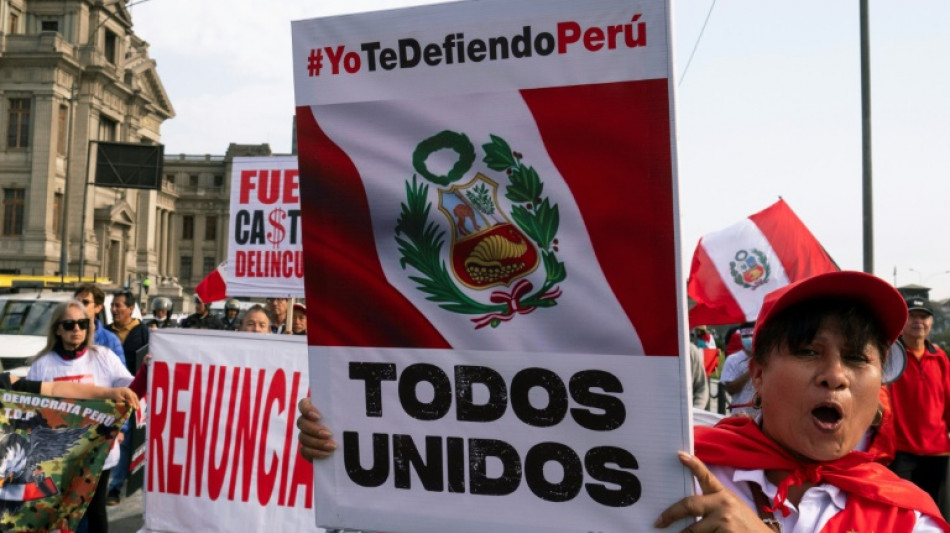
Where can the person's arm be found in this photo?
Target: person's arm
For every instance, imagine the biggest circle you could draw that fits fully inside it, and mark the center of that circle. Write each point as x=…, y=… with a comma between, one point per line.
x=139, y=385
x=316, y=440
x=736, y=385
x=85, y=391
x=116, y=346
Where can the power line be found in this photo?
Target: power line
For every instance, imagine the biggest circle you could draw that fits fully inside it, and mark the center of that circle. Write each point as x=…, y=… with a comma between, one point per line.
x=695, y=46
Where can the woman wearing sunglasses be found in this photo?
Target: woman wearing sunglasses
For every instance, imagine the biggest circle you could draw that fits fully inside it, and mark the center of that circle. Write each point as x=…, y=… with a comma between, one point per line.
x=70, y=355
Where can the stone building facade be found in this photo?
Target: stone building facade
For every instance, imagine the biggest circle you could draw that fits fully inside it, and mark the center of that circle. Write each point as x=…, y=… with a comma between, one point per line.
x=72, y=72
x=200, y=222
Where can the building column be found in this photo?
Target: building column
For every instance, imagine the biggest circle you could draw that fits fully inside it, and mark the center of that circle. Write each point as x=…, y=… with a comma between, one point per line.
x=163, y=261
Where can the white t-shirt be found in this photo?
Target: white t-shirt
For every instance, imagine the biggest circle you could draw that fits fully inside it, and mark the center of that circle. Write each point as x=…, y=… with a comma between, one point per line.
x=99, y=366
x=735, y=366
x=815, y=509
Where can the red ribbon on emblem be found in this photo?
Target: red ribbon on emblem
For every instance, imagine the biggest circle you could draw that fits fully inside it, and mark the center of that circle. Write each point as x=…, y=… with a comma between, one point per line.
x=513, y=300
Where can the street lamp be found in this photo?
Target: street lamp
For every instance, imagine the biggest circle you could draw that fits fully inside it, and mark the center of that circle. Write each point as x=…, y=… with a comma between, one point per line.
x=63, y=221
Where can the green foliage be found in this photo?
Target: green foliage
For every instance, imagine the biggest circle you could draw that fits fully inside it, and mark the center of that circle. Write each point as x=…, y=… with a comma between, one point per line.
x=420, y=240
x=421, y=245
x=498, y=155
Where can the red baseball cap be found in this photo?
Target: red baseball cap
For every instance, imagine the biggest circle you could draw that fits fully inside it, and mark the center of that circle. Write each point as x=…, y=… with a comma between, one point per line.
x=879, y=296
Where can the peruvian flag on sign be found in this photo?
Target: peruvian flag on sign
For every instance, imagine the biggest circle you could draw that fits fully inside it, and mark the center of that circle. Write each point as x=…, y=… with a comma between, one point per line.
x=734, y=268
x=489, y=205
x=481, y=205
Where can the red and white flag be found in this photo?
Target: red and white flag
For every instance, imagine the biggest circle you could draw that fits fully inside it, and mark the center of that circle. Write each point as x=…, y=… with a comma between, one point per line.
x=479, y=205
x=734, y=268
x=213, y=287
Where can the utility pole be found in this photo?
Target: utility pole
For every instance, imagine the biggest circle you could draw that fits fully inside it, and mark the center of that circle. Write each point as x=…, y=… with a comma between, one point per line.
x=866, y=141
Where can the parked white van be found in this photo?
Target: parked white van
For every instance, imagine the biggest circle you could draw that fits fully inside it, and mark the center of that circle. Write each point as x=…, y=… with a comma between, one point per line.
x=24, y=319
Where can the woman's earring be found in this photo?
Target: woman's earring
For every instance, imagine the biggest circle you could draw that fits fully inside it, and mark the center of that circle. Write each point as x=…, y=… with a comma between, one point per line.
x=878, y=416
x=757, y=401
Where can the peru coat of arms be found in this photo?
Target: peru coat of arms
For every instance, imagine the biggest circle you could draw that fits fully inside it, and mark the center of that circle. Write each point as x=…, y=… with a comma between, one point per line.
x=488, y=249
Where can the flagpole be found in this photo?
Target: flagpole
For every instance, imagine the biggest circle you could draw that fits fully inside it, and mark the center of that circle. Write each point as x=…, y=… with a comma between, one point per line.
x=866, y=141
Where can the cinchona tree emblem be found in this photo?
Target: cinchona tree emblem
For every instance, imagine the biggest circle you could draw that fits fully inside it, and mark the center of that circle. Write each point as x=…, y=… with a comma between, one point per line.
x=488, y=248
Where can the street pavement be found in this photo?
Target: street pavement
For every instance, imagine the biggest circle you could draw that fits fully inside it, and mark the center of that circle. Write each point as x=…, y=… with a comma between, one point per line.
x=127, y=517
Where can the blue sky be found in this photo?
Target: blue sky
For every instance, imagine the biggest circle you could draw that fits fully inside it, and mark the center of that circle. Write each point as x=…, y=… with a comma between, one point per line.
x=770, y=106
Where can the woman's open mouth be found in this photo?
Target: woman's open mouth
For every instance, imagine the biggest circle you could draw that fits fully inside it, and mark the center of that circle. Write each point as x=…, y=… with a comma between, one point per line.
x=827, y=416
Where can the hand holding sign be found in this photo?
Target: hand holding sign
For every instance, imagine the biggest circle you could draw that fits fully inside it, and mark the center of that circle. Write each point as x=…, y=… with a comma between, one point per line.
x=316, y=440
x=717, y=508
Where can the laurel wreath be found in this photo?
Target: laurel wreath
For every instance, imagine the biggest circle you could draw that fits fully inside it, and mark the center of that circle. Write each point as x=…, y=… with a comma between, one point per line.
x=737, y=276
x=420, y=240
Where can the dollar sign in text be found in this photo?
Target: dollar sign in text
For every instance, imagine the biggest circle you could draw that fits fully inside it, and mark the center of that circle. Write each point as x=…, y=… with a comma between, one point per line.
x=276, y=235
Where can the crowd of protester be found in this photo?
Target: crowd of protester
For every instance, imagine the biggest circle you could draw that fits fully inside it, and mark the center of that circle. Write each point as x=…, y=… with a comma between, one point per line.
x=87, y=358
x=909, y=418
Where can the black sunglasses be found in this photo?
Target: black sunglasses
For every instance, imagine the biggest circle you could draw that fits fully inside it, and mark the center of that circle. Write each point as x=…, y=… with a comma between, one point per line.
x=70, y=325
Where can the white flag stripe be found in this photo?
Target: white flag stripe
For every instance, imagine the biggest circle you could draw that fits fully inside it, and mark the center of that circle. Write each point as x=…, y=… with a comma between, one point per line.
x=721, y=247
x=587, y=314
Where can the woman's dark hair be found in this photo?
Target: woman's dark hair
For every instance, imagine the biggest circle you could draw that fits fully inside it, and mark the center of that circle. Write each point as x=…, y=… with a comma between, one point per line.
x=796, y=326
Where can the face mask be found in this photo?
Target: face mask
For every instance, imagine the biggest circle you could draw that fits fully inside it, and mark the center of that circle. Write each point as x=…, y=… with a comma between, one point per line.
x=747, y=344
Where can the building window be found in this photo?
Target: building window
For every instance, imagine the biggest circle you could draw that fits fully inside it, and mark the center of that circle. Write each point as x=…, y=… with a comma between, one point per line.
x=49, y=25
x=107, y=129
x=185, y=271
x=193, y=180
x=110, y=47
x=13, y=211
x=14, y=23
x=211, y=228
x=18, y=125
x=218, y=180
x=57, y=212
x=208, y=265
x=187, y=227
x=170, y=178
x=62, y=121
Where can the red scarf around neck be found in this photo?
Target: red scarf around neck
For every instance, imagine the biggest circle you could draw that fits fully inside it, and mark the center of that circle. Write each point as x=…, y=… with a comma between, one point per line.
x=738, y=442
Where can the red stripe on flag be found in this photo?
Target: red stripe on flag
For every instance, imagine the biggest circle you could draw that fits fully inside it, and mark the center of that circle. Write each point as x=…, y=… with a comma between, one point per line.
x=611, y=143
x=212, y=288
x=350, y=303
x=705, y=286
x=798, y=250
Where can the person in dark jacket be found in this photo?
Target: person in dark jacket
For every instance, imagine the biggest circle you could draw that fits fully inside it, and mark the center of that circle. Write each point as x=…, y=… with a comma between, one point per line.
x=134, y=336
x=202, y=318
x=232, y=310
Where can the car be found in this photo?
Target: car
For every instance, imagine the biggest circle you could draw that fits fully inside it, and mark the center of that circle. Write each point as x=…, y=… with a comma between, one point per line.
x=24, y=319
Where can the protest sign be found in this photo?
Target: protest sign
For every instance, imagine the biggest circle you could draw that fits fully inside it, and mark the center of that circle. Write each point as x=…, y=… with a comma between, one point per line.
x=490, y=185
x=265, y=252
x=222, y=447
x=53, y=450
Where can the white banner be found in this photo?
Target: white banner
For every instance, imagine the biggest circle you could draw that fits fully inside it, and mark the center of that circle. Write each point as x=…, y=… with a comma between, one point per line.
x=466, y=441
x=265, y=249
x=222, y=440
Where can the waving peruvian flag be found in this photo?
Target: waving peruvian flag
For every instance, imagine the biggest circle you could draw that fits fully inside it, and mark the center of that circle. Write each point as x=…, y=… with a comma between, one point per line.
x=734, y=268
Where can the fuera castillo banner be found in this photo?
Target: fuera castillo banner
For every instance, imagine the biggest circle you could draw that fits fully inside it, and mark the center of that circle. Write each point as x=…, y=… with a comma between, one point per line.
x=265, y=250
